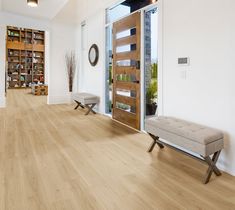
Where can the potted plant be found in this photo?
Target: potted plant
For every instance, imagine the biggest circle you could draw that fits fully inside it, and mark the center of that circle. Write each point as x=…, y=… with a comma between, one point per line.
x=151, y=95
x=71, y=67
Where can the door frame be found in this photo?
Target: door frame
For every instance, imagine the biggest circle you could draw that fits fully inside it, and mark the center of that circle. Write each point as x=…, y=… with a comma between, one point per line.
x=159, y=5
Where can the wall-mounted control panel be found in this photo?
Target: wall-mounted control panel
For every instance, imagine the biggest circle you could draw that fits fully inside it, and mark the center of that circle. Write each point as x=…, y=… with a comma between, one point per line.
x=183, y=61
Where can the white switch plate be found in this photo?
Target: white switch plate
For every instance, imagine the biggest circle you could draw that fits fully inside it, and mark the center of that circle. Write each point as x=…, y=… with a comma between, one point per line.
x=183, y=74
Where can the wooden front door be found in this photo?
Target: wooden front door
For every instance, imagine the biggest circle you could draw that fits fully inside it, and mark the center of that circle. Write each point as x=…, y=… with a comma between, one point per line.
x=126, y=70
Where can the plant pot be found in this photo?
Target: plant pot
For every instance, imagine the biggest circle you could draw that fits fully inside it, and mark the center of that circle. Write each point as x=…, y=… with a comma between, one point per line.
x=151, y=109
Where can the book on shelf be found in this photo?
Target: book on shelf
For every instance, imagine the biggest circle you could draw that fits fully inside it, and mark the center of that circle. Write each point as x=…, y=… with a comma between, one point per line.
x=22, y=60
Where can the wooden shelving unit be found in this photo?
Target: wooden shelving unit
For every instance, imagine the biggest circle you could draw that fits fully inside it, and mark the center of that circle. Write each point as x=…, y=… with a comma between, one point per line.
x=25, y=57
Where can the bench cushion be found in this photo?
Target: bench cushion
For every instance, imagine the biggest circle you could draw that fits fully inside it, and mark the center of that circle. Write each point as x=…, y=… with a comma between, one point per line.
x=191, y=136
x=85, y=98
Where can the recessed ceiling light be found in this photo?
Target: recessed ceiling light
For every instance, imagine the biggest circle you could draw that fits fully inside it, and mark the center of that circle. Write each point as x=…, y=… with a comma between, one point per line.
x=32, y=3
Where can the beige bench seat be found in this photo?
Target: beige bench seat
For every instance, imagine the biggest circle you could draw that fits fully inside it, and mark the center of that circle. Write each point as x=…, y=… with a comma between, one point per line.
x=87, y=100
x=199, y=139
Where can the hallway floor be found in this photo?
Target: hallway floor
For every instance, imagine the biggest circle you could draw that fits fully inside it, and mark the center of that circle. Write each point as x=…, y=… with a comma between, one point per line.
x=55, y=158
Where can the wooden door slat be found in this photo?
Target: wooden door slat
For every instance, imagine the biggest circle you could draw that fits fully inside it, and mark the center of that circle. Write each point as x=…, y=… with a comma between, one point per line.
x=131, y=55
x=126, y=85
x=127, y=70
x=127, y=23
x=126, y=40
x=132, y=21
x=125, y=100
x=125, y=117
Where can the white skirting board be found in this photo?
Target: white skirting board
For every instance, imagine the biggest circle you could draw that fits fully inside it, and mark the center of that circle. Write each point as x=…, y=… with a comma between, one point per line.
x=59, y=99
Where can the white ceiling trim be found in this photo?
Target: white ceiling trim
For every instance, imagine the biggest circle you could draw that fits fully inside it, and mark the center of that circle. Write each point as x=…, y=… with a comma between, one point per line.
x=47, y=9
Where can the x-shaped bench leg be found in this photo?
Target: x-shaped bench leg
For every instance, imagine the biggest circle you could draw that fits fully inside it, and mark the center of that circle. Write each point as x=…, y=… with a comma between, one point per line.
x=90, y=108
x=155, y=141
x=212, y=167
x=78, y=104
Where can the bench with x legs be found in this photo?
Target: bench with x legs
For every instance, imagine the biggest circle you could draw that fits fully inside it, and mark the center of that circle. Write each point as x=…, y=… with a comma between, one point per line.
x=86, y=100
x=203, y=141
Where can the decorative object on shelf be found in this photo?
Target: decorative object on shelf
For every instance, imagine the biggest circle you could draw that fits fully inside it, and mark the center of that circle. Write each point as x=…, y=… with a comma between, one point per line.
x=25, y=61
x=71, y=67
x=32, y=3
x=22, y=78
x=39, y=89
x=93, y=55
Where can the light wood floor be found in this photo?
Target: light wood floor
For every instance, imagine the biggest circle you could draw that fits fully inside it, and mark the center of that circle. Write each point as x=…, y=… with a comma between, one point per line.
x=52, y=157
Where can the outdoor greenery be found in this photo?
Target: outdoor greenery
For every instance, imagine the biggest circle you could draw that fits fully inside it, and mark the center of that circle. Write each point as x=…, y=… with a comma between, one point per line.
x=151, y=92
x=154, y=69
x=123, y=106
x=124, y=77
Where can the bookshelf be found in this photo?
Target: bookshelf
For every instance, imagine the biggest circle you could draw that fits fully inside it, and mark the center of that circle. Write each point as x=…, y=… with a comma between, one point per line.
x=25, y=57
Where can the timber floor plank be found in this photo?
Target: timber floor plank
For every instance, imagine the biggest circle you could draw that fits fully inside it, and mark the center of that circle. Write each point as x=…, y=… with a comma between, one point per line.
x=53, y=157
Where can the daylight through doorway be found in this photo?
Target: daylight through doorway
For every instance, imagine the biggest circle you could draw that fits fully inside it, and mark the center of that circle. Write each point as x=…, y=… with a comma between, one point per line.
x=151, y=62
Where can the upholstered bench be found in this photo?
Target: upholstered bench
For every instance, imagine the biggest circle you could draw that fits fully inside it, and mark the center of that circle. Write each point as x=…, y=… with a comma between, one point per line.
x=86, y=100
x=187, y=136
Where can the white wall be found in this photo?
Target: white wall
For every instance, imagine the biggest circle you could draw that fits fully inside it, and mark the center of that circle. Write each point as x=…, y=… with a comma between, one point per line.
x=93, y=77
x=2, y=64
x=63, y=39
x=60, y=39
x=201, y=30
x=18, y=21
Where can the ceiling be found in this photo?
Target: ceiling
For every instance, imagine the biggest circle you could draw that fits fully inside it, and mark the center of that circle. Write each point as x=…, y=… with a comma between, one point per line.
x=47, y=9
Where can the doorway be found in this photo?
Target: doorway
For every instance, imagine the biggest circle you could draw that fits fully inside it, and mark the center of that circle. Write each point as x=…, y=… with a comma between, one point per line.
x=26, y=64
x=146, y=80
x=126, y=70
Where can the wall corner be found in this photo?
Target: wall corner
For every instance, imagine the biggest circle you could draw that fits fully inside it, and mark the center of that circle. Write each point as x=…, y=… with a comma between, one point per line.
x=2, y=102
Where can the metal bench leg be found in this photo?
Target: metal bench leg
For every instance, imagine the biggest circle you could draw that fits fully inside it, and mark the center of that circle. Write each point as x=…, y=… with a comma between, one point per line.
x=90, y=109
x=212, y=167
x=155, y=141
x=78, y=104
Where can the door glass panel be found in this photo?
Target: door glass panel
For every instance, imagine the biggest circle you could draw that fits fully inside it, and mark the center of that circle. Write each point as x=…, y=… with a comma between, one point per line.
x=126, y=33
x=116, y=12
x=126, y=63
x=109, y=70
x=126, y=48
x=126, y=77
x=125, y=107
x=124, y=8
x=151, y=62
x=128, y=93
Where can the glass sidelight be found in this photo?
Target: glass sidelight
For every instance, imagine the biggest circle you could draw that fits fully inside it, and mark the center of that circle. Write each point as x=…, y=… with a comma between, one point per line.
x=151, y=62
